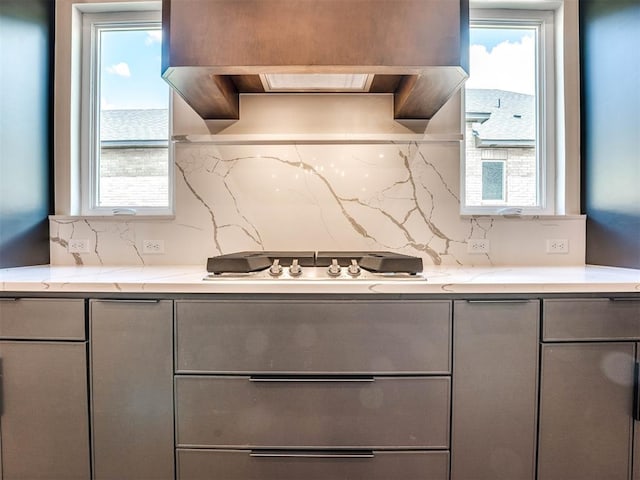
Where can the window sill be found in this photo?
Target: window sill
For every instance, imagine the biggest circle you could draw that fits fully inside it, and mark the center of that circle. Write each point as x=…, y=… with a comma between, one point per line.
x=113, y=218
x=525, y=216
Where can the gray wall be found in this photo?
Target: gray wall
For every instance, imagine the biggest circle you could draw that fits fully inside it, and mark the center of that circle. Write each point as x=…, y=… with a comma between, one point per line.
x=610, y=41
x=26, y=55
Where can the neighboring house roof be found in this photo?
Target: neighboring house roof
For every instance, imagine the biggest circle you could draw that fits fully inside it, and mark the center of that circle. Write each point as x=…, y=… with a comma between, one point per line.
x=502, y=118
x=142, y=127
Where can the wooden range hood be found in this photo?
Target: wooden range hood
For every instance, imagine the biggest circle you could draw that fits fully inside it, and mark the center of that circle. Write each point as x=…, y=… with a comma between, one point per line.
x=214, y=50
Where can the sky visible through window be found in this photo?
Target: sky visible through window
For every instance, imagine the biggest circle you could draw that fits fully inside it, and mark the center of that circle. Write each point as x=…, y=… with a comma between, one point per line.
x=131, y=70
x=503, y=58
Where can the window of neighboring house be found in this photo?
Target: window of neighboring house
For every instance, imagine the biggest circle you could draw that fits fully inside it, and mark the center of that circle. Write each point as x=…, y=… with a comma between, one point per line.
x=509, y=111
x=493, y=181
x=126, y=154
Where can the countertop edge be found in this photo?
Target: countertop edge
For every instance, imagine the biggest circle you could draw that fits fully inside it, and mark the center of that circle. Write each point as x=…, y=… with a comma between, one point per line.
x=188, y=279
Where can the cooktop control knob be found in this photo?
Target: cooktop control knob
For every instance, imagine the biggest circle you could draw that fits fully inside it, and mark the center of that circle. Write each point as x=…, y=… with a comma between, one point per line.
x=334, y=269
x=295, y=270
x=275, y=270
x=354, y=268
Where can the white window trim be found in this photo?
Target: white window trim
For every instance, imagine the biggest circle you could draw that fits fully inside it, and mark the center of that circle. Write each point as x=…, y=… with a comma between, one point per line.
x=546, y=127
x=91, y=23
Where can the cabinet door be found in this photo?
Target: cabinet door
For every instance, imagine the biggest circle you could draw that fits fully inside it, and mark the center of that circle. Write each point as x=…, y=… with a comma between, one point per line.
x=636, y=430
x=44, y=423
x=494, y=390
x=132, y=390
x=585, y=411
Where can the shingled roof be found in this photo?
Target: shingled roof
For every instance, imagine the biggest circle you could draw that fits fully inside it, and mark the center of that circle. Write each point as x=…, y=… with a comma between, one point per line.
x=501, y=118
x=134, y=127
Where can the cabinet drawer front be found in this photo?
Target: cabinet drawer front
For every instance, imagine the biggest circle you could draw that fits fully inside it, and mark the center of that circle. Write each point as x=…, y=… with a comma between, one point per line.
x=591, y=319
x=42, y=319
x=386, y=412
x=313, y=337
x=241, y=465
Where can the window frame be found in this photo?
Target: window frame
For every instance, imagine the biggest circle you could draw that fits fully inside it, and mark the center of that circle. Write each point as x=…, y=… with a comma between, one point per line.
x=90, y=147
x=544, y=20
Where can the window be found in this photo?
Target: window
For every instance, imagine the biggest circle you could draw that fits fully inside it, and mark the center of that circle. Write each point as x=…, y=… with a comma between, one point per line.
x=125, y=166
x=493, y=180
x=509, y=114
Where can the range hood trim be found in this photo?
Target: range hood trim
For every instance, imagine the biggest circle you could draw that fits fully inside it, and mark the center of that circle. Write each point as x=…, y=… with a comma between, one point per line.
x=322, y=69
x=319, y=139
x=215, y=96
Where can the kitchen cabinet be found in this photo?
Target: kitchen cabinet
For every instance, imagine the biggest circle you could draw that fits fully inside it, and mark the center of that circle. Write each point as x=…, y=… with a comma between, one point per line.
x=589, y=389
x=495, y=374
x=132, y=389
x=287, y=388
x=44, y=428
x=313, y=389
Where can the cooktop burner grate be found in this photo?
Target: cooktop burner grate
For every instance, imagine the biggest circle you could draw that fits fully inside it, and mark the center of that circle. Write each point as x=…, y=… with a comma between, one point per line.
x=331, y=263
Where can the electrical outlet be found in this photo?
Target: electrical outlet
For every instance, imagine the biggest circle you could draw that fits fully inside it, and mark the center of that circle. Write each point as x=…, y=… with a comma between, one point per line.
x=559, y=245
x=478, y=245
x=152, y=247
x=78, y=245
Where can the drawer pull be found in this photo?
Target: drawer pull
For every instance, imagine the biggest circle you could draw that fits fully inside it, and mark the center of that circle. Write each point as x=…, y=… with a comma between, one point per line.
x=306, y=378
x=8, y=299
x=124, y=300
x=1, y=389
x=514, y=300
x=311, y=454
x=636, y=391
x=624, y=299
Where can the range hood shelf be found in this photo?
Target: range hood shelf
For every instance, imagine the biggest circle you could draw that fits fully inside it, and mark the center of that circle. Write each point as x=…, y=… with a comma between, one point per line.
x=317, y=139
x=215, y=50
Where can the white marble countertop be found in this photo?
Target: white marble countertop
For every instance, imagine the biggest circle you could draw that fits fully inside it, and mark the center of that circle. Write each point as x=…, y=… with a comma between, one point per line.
x=189, y=279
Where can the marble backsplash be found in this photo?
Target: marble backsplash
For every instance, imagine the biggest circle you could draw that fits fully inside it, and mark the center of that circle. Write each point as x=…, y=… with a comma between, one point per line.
x=400, y=197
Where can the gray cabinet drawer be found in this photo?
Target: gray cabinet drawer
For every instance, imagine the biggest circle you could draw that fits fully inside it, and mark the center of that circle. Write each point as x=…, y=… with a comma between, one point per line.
x=591, y=319
x=312, y=413
x=313, y=337
x=380, y=465
x=42, y=319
